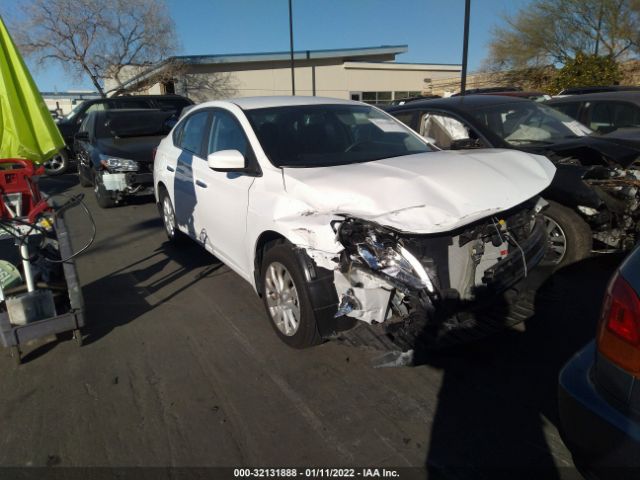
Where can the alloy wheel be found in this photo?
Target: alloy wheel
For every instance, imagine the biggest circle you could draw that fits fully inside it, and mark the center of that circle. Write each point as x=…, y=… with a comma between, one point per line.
x=168, y=216
x=557, y=247
x=282, y=299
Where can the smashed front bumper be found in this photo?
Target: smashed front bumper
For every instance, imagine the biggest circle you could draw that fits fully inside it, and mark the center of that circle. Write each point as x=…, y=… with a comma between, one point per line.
x=405, y=285
x=129, y=183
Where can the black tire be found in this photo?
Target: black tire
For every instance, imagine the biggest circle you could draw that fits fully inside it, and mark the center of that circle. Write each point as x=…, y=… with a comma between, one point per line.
x=169, y=219
x=103, y=196
x=563, y=221
x=307, y=333
x=83, y=177
x=57, y=165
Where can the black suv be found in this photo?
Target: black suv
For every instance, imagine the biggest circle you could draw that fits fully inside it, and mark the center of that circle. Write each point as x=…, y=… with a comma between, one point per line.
x=70, y=124
x=594, y=196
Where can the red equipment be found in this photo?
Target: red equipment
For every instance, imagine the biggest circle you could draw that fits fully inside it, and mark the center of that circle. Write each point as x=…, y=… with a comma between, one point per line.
x=18, y=189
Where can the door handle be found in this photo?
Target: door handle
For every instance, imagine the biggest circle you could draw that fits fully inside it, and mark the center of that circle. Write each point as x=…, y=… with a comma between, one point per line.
x=171, y=169
x=201, y=184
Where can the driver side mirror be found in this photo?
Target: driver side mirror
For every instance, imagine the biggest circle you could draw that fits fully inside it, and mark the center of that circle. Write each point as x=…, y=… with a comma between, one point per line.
x=227, y=161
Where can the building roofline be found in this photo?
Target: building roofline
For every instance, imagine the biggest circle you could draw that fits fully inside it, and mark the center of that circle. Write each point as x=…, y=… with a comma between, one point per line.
x=270, y=57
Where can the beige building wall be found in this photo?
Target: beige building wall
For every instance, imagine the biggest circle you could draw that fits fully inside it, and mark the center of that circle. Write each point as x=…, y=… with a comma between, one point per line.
x=209, y=82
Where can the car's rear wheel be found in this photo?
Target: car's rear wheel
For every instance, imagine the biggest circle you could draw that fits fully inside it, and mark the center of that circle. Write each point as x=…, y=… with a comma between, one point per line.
x=58, y=164
x=287, y=298
x=103, y=196
x=169, y=218
x=570, y=238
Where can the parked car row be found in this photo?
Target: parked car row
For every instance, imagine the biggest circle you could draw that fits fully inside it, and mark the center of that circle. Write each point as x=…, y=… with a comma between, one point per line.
x=70, y=124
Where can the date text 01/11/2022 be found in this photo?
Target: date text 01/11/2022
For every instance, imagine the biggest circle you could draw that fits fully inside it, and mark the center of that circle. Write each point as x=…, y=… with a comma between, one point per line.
x=315, y=473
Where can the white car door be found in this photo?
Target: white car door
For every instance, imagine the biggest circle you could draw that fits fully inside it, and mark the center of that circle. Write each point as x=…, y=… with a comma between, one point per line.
x=190, y=149
x=223, y=197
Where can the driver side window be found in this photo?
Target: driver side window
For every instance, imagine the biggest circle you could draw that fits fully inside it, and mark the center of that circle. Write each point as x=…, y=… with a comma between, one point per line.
x=444, y=129
x=226, y=134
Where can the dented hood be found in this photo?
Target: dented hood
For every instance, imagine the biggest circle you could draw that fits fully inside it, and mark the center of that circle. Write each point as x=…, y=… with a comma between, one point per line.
x=424, y=193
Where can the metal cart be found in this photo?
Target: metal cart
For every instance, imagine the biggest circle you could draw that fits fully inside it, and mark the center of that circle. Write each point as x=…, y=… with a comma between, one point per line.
x=22, y=207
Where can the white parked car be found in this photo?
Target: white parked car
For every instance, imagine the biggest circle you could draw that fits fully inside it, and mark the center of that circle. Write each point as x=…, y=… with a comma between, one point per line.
x=336, y=212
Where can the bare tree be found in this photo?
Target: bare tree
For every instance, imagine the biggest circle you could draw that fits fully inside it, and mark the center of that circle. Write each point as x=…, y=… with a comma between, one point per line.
x=551, y=32
x=97, y=38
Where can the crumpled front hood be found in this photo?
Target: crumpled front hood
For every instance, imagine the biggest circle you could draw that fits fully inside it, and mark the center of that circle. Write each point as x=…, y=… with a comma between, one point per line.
x=609, y=150
x=424, y=193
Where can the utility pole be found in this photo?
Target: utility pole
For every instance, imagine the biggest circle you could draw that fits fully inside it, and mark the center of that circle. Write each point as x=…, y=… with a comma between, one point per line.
x=465, y=47
x=293, y=74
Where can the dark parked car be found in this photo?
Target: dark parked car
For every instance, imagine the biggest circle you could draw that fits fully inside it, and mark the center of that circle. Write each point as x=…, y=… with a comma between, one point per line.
x=115, y=150
x=602, y=112
x=599, y=89
x=595, y=193
x=599, y=394
x=70, y=124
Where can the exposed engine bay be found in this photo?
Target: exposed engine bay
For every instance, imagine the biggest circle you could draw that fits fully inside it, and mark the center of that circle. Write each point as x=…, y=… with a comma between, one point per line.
x=605, y=193
x=616, y=222
x=389, y=276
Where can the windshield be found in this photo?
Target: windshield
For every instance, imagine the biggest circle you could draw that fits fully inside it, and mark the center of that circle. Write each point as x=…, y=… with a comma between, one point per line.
x=326, y=135
x=529, y=123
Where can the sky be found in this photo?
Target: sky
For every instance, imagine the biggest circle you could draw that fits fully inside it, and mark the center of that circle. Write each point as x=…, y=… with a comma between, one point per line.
x=432, y=29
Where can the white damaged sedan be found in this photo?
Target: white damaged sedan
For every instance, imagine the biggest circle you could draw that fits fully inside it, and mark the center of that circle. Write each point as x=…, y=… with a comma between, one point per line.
x=335, y=212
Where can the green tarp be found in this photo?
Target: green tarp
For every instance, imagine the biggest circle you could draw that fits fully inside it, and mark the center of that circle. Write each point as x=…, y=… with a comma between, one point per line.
x=27, y=129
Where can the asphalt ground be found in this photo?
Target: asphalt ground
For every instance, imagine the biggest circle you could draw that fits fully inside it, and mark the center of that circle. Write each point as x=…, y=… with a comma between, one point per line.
x=181, y=368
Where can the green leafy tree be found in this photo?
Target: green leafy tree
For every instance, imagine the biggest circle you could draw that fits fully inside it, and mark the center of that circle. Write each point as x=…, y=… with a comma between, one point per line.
x=587, y=70
x=553, y=32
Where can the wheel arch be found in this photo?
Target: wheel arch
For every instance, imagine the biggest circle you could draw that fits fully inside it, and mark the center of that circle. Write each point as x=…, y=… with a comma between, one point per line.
x=265, y=238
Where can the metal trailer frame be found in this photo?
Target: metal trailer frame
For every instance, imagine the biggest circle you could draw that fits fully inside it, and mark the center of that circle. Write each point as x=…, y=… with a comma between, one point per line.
x=12, y=336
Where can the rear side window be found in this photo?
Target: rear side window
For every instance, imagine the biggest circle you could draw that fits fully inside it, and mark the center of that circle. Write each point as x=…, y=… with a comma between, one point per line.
x=405, y=117
x=176, y=104
x=131, y=103
x=607, y=117
x=570, y=109
x=192, y=132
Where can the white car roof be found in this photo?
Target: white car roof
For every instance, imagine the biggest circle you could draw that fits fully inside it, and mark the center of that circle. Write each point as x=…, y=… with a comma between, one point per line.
x=250, y=103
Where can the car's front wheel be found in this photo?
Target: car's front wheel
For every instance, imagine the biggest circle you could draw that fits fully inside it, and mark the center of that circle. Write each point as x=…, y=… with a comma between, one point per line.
x=570, y=238
x=287, y=299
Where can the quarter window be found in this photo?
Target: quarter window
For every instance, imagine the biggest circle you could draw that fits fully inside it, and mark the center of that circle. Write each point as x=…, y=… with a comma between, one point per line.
x=193, y=132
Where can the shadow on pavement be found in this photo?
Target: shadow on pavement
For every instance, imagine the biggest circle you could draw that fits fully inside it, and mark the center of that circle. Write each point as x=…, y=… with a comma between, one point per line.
x=59, y=184
x=497, y=394
x=143, y=285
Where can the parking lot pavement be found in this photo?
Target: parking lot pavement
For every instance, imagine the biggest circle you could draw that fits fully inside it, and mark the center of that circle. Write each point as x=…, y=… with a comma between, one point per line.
x=180, y=367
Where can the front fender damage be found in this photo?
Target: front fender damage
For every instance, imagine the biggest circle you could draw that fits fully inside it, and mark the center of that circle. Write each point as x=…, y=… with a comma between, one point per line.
x=408, y=283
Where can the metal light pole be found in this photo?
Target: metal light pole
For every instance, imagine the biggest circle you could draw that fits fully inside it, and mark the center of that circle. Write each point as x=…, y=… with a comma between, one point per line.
x=293, y=76
x=465, y=47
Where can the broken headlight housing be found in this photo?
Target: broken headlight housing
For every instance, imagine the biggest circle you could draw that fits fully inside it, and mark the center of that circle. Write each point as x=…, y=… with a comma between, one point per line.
x=116, y=164
x=381, y=251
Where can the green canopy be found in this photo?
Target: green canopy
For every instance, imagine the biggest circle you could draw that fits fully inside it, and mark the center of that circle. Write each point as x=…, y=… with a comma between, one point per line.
x=27, y=129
